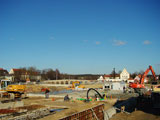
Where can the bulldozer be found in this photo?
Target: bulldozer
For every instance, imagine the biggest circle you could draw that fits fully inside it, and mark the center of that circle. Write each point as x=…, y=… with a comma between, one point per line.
x=11, y=90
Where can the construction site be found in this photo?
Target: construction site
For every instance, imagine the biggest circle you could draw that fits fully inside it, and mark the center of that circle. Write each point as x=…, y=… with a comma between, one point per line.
x=77, y=100
x=80, y=60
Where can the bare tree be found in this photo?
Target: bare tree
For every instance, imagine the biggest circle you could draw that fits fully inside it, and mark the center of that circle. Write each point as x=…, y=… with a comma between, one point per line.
x=57, y=74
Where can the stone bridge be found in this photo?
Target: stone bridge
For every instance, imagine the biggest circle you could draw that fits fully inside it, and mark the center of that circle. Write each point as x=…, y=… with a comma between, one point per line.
x=66, y=81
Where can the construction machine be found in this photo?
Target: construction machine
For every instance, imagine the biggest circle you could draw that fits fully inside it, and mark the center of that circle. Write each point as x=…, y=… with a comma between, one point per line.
x=76, y=85
x=7, y=88
x=139, y=86
x=156, y=88
x=152, y=95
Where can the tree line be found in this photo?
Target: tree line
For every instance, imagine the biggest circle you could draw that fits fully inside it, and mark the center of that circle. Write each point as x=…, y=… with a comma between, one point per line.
x=50, y=74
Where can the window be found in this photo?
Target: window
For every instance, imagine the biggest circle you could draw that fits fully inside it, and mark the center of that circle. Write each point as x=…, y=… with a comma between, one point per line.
x=106, y=86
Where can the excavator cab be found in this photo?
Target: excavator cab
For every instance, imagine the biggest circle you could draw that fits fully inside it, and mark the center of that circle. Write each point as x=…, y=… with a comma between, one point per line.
x=4, y=83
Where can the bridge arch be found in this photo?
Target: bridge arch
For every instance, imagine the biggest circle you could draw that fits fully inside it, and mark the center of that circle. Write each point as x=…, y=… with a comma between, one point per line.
x=62, y=82
x=66, y=82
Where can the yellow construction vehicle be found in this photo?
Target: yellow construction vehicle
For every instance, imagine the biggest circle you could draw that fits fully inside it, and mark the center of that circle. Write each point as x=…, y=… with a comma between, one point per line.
x=11, y=90
x=76, y=85
x=156, y=88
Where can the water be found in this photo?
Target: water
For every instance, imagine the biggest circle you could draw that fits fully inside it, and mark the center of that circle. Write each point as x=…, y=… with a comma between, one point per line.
x=58, y=92
x=62, y=91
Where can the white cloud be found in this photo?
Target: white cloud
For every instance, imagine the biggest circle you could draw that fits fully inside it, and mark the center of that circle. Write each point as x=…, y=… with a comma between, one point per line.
x=51, y=38
x=98, y=42
x=85, y=41
x=118, y=42
x=146, y=42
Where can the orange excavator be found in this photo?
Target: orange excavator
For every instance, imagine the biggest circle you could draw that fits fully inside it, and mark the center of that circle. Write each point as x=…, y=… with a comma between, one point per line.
x=139, y=85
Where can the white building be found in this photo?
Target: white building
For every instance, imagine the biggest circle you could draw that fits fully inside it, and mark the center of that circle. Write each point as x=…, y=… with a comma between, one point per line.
x=124, y=75
x=114, y=86
x=100, y=78
x=138, y=77
x=12, y=71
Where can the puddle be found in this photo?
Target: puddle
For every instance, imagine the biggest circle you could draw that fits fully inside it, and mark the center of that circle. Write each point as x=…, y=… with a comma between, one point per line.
x=58, y=92
x=57, y=110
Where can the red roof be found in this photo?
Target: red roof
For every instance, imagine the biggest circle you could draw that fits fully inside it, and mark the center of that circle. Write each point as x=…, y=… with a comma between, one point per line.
x=16, y=69
x=1, y=68
x=107, y=75
x=117, y=75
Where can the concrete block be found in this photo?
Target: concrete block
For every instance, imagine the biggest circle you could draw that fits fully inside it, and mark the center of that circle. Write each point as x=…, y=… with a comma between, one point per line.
x=109, y=113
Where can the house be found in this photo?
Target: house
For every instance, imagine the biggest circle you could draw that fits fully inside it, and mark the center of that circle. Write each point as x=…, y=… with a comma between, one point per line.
x=107, y=77
x=138, y=77
x=100, y=78
x=14, y=71
x=112, y=78
x=15, y=74
x=116, y=76
x=24, y=75
x=123, y=76
x=3, y=73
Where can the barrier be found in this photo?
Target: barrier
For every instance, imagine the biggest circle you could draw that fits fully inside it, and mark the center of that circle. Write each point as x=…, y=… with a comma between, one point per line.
x=89, y=114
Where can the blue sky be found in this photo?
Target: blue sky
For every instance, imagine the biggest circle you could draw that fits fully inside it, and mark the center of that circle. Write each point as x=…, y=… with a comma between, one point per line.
x=80, y=36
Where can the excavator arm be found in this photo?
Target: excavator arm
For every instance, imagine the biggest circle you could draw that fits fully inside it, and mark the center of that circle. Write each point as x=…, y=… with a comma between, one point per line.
x=145, y=74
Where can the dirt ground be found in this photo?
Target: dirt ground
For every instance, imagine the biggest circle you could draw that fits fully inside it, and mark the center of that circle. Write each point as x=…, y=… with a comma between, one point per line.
x=94, y=86
x=72, y=106
x=38, y=88
x=75, y=106
x=136, y=115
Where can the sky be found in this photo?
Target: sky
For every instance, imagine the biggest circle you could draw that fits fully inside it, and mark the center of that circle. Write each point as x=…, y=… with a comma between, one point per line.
x=80, y=36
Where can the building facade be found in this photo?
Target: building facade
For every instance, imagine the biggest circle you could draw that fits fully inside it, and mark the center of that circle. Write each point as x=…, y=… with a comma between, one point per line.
x=123, y=76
